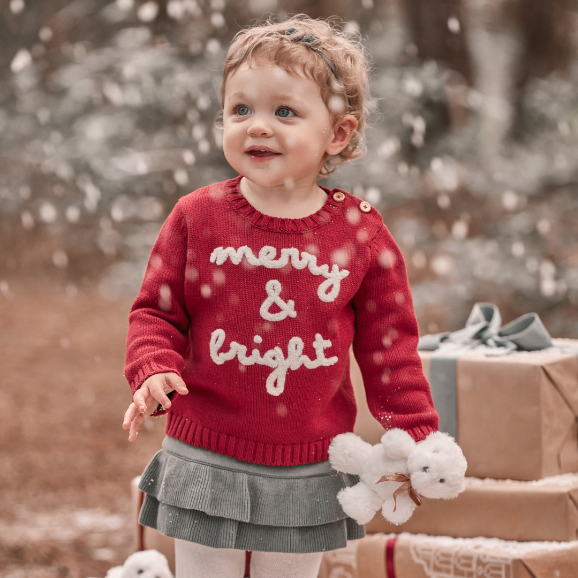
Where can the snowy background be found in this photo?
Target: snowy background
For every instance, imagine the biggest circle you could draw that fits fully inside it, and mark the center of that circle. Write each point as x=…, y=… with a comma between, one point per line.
x=107, y=115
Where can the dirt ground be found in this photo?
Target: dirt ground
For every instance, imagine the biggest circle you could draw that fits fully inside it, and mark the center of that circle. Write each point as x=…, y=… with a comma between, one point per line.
x=65, y=462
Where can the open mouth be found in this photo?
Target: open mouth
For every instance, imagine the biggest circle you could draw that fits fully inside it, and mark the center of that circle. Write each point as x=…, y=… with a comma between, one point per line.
x=262, y=154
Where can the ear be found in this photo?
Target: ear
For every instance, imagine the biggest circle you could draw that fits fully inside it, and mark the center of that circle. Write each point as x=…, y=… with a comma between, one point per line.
x=342, y=133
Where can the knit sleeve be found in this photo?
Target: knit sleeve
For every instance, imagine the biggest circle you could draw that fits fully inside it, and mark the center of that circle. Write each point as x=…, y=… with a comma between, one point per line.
x=159, y=320
x=385, y=344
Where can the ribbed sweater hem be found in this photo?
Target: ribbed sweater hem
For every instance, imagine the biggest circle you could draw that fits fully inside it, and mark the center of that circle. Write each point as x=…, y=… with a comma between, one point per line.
x=200, y=436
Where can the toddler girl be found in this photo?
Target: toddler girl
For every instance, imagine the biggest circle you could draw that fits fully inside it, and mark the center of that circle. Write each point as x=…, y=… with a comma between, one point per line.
x=254, y=292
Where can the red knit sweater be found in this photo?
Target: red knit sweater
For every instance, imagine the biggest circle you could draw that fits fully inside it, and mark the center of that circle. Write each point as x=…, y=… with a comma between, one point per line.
x=257, y=315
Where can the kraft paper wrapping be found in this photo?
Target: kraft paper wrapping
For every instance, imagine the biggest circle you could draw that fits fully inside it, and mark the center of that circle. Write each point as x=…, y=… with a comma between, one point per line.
x=517, y=414
x=525, y=511
x=418, y=556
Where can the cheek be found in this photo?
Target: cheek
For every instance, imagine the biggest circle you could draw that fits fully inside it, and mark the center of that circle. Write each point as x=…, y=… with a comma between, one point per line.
x=326, y=136
x=230, y=141
x=291, y=142
x=311, y=143
x=231, y=151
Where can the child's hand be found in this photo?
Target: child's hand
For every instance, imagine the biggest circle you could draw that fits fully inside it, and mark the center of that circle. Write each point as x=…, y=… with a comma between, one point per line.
x=146, y=400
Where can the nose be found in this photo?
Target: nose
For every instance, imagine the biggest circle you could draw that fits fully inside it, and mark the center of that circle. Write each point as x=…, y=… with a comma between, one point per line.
x=259, y=127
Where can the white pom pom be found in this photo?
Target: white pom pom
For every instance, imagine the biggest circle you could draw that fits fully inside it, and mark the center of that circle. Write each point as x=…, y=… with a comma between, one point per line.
x=403, y=509
x=397, y=443
x=359, y=502
x=146, y=564
x=348, y=453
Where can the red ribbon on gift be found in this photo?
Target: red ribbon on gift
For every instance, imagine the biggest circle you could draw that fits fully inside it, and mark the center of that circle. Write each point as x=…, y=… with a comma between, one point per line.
x=389, y=560
x=140, y=532
x=247, y=573
x=405, y=487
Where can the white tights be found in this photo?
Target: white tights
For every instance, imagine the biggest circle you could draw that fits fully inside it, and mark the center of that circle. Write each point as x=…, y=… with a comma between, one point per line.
x=196, y=561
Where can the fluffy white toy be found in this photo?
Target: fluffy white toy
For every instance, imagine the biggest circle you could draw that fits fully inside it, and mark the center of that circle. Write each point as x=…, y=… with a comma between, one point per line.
x=434, y=468
x=145, y=564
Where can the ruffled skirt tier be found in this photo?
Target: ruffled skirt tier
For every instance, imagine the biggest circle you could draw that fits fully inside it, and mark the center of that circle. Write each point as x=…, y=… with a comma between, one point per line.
x=197, y=495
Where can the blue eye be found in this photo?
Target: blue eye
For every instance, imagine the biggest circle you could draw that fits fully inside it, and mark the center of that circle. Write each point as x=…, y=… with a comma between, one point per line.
x=243, y=110
x=285, y=112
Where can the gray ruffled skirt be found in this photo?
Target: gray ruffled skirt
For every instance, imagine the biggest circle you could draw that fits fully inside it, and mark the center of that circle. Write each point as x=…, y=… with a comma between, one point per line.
x=198, y=495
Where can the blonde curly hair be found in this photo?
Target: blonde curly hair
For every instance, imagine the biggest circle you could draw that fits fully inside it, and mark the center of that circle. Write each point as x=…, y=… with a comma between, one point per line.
x=345, y=92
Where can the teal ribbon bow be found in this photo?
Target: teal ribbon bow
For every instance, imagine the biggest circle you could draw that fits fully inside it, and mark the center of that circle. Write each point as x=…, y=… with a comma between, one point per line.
x=482, y=332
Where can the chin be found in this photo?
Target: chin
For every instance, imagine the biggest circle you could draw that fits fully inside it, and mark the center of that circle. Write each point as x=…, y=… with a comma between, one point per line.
x=262, y=179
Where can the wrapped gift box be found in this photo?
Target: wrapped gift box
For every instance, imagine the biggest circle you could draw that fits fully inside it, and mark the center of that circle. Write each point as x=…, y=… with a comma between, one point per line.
x=418, y=556
x=516, y=414
x=545, y=510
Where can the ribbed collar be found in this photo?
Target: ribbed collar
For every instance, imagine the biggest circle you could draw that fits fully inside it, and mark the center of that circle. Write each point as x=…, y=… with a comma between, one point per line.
x=279, y=224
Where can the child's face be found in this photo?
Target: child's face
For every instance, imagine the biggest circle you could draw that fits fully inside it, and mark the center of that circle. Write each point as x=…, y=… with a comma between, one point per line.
x=277, y=129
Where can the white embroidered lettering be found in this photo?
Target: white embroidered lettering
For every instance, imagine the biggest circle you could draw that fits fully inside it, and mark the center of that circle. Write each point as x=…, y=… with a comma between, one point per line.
x=327, y=291
x=220, y=255
x=273, y=289
x=273, y=358
x=267, y=258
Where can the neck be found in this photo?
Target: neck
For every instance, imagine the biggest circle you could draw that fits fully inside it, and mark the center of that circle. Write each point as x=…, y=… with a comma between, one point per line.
x=289, y=201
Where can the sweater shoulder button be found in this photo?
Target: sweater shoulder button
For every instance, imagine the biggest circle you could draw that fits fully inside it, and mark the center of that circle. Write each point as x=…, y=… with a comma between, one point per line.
x=338, y=197
x=364, y=207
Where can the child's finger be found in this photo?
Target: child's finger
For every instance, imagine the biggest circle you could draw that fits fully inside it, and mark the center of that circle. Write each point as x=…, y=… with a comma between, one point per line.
x=129, y=415
x=136, y=423
x=177, y=383
x=159, y=391
x=140, y=399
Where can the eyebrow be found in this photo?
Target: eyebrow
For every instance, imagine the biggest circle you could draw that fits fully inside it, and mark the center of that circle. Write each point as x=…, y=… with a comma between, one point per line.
x=280, y=96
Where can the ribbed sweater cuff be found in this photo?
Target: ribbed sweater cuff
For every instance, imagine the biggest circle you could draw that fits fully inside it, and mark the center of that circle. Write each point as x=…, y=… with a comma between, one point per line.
x=146, y=370
x=419, y=433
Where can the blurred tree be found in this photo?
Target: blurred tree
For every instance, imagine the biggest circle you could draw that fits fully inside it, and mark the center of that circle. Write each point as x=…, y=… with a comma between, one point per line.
x=496, y=44
x=107, y=112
